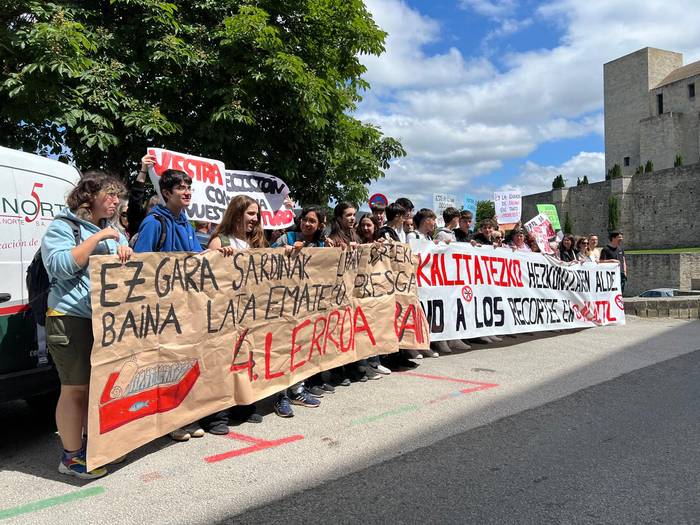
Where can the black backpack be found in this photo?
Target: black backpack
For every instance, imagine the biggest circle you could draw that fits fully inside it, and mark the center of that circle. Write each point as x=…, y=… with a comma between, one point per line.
x=161, y=239
x=38, y=283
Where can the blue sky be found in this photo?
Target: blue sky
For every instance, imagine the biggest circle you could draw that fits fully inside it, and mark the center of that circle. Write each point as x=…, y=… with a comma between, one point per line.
x=501, y=94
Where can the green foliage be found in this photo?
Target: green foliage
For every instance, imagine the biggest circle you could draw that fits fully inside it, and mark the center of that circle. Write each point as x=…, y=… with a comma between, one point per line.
x=484, y=210
x=613, y=213
x=568, y=227
x=649, y=167
x=578, y=181
x=267, y=85
x=678, y=162
x=639, y=170
x=585, y=180
x=559, y=182
x=614, y=173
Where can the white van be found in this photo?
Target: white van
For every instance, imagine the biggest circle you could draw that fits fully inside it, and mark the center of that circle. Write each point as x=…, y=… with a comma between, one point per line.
x=33, y=190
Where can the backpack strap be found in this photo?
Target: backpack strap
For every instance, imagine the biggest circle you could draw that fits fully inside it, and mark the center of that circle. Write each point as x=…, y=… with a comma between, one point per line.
x=74, y=225
x=225, y=241
x=163, y=231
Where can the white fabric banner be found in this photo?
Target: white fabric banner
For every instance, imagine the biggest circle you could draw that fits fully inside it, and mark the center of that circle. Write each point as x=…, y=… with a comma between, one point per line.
x=469, y=291
x=214, y=186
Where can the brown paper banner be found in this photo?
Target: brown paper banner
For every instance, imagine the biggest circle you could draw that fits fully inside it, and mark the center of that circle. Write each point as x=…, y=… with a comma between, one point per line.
x=179, y=336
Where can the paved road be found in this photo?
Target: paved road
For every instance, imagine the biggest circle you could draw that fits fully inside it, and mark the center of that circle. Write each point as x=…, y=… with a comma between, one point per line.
x=474, y=413
x=624, y=451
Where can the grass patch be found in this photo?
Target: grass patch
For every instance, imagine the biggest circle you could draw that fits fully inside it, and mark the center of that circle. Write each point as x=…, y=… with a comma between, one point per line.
x=667, y=250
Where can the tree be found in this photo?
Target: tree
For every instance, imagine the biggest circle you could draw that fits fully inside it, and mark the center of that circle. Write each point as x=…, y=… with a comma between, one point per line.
x=484, y=210
x=268, y=86
x=558, y=182
x=568, y=227
x=649, y=167
x=578, y=181
x=585, y=180
x=613, y=213
x=678, y=162
x=614, y=173
x=640, y=170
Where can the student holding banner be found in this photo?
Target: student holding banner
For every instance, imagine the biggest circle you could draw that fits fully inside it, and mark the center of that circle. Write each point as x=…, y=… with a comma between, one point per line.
x=240, y=229
x=343, y=227
x=75, y=235
x=167, y=229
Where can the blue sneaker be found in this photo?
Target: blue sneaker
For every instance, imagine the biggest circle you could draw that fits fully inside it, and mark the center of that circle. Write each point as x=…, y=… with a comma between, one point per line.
x=282, y=406
x=77, y=466
x=305, y=399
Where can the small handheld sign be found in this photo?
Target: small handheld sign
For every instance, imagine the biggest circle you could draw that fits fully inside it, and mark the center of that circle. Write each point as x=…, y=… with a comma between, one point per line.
x=378, y=199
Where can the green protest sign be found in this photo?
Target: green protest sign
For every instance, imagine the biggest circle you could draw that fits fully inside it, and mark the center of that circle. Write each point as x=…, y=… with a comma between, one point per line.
x=550, y=210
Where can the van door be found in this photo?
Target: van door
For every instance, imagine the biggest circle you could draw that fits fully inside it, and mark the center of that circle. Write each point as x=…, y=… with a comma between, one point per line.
x=11, y=280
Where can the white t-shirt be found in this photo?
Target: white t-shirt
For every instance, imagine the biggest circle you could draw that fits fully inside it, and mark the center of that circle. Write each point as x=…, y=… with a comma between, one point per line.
x=415, y=234
x=237, y=243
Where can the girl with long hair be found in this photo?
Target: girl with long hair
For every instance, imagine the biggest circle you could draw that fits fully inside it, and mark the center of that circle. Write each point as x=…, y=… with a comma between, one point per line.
x=241, y=227
x=343, y=226
x=367, y=228
x=79, y=231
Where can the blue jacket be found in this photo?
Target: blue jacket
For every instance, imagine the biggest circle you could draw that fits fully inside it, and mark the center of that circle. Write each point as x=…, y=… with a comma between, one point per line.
x=179, y=233
x=70, y=284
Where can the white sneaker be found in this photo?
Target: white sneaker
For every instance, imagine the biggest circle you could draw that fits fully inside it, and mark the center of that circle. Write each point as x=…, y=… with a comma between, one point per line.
x=495, y=339
x=457, y=344
x=430, y=353
x=180, y=435
x=194, y=430
x=414, y=354
x=383, y=370
x=441, y=346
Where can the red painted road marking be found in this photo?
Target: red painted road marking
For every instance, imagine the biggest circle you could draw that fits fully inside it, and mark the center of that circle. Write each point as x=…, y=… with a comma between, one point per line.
x=479, y=385
x=258, y=444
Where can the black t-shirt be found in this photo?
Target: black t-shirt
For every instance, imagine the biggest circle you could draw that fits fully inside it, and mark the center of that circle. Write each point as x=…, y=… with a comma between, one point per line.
x=460, y=236
x=609, y=253
x=481, y=238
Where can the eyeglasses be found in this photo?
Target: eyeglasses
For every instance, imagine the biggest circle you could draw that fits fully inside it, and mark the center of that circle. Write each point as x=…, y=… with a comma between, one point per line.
x=584, y=242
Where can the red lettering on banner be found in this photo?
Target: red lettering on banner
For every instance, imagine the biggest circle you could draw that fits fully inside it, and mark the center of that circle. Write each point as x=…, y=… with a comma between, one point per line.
x=316, y=337
x=199, y=169
x=268, y=350
x=408, y=320
x=458, y=278
x=328, y=335
x=347, y=314
x=278, y=218
x=448, y=282
x=435, y=275
x=420, y=276
x=296, y=348
x=478, y=277
x=364, y=327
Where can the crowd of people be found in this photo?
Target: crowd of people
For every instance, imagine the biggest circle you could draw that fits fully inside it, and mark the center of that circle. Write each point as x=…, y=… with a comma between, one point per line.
x=107, y=223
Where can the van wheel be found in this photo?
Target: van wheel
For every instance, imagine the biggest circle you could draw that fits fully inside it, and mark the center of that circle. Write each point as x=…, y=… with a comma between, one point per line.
x=43, y=403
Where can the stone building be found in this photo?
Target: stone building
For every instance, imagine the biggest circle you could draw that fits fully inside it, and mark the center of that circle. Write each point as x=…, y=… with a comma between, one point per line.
x=651, y=110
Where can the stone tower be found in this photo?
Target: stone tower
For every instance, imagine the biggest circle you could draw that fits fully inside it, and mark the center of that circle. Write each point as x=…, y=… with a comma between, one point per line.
x=627, y=83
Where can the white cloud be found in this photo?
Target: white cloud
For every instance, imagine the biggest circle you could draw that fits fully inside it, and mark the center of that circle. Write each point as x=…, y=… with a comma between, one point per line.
x=461, y=117
x=535, y=178
x=490, y=8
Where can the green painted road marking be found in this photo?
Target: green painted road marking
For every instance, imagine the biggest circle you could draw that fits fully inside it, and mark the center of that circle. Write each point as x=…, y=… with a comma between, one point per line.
x=395, y=412
x=50, y=502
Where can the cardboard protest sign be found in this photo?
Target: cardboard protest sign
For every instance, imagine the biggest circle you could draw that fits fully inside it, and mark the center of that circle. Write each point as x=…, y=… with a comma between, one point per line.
x=469, y=291
x=442, y=201
x=179, y=336
x=541, y=229
x=550, y=210
x=508, y=205
x=213, y=187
